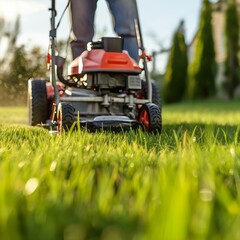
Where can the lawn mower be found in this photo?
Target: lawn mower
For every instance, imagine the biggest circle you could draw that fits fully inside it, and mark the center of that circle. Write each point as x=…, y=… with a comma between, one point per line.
x=102, y=90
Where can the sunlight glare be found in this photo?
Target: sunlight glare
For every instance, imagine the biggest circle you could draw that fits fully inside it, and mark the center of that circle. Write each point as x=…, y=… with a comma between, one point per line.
x=10, y=9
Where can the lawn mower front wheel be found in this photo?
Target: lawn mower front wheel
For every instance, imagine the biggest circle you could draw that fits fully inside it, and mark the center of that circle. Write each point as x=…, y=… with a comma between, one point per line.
x=65, y=116
x=150, y=117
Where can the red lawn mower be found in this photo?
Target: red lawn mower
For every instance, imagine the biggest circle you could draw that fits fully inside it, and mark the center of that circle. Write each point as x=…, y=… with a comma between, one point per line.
x=103, y=89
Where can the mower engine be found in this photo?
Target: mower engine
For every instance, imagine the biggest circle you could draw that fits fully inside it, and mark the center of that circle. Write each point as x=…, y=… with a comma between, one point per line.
x=103, y=81
x=106, y=66
x=101, y=92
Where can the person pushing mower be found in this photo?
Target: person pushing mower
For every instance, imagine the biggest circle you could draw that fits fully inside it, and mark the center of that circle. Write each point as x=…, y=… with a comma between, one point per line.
x=82, y=14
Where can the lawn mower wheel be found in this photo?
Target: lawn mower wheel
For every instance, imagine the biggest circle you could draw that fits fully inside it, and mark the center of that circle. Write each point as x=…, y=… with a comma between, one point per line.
x=150, y=117
x=37, y=101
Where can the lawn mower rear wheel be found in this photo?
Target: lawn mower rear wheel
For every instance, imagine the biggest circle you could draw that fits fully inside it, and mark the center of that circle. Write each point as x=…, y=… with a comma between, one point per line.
x=37, y=101
x=156, y=96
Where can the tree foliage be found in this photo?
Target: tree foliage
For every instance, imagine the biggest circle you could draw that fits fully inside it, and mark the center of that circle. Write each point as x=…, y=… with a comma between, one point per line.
x=202, y=70
x=176, y=72
x=2, y=23
x=18, y=64
x=22, y=66
x=232, y=39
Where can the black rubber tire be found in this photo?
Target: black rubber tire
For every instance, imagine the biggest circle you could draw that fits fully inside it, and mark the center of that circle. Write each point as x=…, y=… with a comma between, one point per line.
x=154, y=116
x=156, y=95
x=65, y=116
x=37, y=101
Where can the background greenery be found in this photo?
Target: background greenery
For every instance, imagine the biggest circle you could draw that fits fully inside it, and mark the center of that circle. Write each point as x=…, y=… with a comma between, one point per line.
x=232, y=47
x=202, y=70
x=176, y=71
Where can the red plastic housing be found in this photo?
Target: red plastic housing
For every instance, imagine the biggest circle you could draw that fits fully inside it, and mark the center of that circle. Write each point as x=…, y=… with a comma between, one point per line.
x=50, y=91
x=98, y=60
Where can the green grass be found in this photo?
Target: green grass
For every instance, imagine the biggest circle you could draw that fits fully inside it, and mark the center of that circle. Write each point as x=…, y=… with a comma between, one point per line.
x=184, y=184
x=13, y=115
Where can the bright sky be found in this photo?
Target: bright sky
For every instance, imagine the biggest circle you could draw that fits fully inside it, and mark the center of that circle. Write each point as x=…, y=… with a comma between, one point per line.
x=159, y=19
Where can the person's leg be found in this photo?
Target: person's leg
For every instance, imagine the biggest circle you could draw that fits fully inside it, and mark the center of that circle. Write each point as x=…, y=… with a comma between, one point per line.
x=82, y=22
x=124, y=13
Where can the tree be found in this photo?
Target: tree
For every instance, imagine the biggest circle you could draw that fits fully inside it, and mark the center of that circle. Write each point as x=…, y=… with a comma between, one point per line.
x=2, y=23
x=176, y=72
x=232, y=39
x=11, y=35
x=17, y=66
x=202, y=70
x=22, y=66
